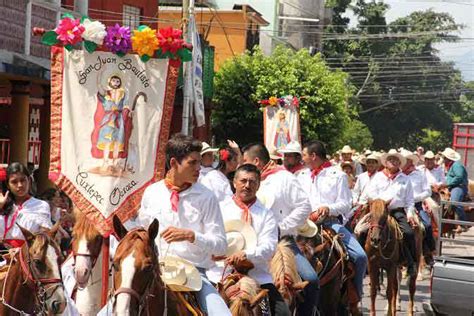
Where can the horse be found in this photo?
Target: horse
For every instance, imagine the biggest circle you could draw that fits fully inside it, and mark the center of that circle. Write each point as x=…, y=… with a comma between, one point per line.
x=32, y=282
x=137, y=285
x=86, y=249
x=383, y=250
x=327, y=254
x=285, y=275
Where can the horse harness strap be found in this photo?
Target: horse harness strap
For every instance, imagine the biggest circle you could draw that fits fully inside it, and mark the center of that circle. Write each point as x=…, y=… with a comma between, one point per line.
x=331, y=274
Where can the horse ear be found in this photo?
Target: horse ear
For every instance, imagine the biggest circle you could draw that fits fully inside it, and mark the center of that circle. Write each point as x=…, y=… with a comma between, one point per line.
x=256, y=300
x=153, y=229
x=119, y=229
x=300, y=285
x=29, y=237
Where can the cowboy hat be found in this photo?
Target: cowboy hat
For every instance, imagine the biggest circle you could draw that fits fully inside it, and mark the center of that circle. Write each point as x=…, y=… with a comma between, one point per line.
x=240, y=236
x=309, y=229
x=451, y=154
x=367, y=152
x=346, y=150
x=393, y=153
x=206, y=148
x=180, y=275
x=372, y=156
x=275, y=155
x=292, y=147
x=429, y=155
x=347, y=163
x=410, y=155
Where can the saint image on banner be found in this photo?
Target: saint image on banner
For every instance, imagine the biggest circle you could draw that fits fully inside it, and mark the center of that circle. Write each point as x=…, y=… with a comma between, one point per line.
x=282, y=131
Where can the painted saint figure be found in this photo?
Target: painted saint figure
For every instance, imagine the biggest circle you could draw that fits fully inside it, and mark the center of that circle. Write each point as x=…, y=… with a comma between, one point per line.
x=282, y=133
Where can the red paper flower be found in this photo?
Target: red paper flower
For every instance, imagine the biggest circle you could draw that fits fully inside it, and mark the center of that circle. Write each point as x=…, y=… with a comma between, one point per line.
x=296, y=102
x=170, y=39
x=224, y=154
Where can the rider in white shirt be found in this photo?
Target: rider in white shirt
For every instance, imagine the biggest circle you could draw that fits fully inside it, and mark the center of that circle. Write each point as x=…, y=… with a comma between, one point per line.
x=207, y=159
x=363, y=180
x=293, y=162
x=434, y=173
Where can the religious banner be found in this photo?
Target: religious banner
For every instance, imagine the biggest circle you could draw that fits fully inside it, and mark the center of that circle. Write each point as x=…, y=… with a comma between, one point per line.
x=110, y=121
x=281, y=122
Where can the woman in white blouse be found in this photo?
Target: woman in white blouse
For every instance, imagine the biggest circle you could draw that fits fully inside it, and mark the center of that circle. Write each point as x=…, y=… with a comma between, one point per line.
x=18, y=207
x=217, y=180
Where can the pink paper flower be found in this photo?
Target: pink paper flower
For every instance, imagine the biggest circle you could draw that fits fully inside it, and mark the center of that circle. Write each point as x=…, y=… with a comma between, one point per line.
x=69, y=31
x=170, y=39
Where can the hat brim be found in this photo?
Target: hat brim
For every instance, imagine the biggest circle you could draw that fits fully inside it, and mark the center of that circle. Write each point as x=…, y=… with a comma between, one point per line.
x=385, y=156
x=288, y=151
x=193, y=277
x=310, y=229
x=455, y=157
x=209, y=150
x=245, y=229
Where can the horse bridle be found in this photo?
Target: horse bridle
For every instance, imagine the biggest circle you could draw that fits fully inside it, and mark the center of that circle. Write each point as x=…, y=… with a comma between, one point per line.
x=383, y=228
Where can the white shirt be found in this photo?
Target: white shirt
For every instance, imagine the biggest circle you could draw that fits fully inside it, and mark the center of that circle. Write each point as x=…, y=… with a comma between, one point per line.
x=399, y=191
x=357, y=167
x=362, y=183
x=218, y=183
x=197, y=210
x=304, y=178
x=434, y=176
x=282, y=193
x=33, y=215
x=265, y=225
x=203, y=172
x=421, y=189
x=330, y=188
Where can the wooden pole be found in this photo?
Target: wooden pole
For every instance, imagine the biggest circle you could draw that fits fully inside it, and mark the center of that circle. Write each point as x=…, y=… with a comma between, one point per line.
x=105, y=270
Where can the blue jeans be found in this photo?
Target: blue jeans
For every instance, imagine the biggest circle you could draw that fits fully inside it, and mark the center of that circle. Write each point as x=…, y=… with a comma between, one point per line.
x=428, y=241
x=307, y=273
x=355, y=250
x=457, y=195
x=209, y=299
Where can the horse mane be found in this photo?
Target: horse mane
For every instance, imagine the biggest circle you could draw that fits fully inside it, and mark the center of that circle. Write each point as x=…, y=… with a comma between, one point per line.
x=377, y=208
x=83, y=227
x=247, y=289
x=283, y=264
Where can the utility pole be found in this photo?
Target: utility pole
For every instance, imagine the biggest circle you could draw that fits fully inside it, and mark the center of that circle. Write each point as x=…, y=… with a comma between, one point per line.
x=188, y=11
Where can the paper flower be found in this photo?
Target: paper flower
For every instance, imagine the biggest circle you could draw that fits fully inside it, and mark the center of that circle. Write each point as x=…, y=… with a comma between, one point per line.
x=296, y=102
x=170, y=39
x=273, y=101
x=144, y=41
x=224, y=154
x=94, y=31
x=69, y=31
x=117, y=39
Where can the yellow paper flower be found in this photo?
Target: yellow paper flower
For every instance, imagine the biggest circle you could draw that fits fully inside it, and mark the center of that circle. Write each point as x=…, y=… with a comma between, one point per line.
x=273, y=101
x=144, y=41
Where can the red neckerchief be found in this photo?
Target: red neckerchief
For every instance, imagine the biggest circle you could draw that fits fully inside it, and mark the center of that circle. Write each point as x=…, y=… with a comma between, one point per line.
x=371, y=174
x=245, y=207
x=13, y=242
x=270, y=168
x=409, y=170
x=175, y=190
x=435, y=166
x=296, y=168
x=389, y=175
x=448, y=164
x=316, y=171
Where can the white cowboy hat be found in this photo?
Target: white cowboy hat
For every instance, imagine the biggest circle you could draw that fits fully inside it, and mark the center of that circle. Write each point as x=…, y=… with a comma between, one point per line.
x=309, y=229
x=275, y=155
x=347, y=163
x=393, y=153
x=429, y=155
x=240, y=236
x=451, y=154
x=180, y=275
x=292, y=147
x=206, y=148
x=346, y=150
x=367, y=152
x=372, y=156
x=410, y=155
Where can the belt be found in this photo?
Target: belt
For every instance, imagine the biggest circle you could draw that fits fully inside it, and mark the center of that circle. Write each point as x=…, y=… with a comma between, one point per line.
x=419, y=204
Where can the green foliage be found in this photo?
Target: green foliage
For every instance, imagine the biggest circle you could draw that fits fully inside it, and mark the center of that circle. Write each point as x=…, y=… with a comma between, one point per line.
x=357, y=134
x=240, y=83
x=432, y=140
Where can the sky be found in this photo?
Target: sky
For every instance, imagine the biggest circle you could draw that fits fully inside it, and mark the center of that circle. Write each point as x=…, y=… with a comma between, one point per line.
x=462, y=52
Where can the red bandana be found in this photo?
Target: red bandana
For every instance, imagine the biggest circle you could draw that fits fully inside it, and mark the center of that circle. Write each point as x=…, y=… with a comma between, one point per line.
x=296, y=168
x=15, y=243
x=317, y=170
x=390, y=176
x=371, y=173
x=245, y=206
x=175, y=190
x=409, y=170
x=270, y=168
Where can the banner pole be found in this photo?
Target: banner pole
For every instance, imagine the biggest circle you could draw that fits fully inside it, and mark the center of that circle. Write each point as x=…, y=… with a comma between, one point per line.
x=105, y=270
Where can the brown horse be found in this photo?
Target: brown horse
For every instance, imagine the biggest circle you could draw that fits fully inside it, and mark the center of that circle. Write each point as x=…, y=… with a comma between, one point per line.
x=383, y=251
x=86, y=250
x=137, y=285
x=32, y=282
x=285, y=275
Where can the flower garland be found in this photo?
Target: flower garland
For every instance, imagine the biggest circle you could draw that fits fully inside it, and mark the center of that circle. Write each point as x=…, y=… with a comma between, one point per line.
x=120, y=40
x=288, y=101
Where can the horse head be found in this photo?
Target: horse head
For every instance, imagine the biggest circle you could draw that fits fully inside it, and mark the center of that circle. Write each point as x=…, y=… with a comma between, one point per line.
x=378, y=220
x=40, y=259
x=86, y=247
x=135, y=264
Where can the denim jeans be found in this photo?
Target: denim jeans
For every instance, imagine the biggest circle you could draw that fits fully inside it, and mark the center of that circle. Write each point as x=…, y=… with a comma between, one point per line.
x=457, y=195
x=428, y=241
x=307, y=273
x=209, y=299
x=355, y=250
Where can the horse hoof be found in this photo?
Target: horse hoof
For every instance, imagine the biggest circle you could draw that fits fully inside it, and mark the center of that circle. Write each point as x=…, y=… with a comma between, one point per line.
x=420, y=277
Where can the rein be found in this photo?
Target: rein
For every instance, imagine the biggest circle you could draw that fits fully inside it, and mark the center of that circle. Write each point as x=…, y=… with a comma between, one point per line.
x=386, y=228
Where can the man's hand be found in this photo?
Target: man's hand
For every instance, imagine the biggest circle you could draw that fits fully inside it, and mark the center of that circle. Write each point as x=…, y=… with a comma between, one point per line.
x=412, y=221
x=173, y=234
x=322, y=211
x=236, y=258
x=435, y=188
x=218, y=258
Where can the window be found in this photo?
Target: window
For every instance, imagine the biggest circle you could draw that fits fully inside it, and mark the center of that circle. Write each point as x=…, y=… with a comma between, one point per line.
x=131, y=16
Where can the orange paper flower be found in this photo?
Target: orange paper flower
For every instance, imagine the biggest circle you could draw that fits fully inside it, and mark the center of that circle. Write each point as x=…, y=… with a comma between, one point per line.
x=144, y=41
x=273, y=101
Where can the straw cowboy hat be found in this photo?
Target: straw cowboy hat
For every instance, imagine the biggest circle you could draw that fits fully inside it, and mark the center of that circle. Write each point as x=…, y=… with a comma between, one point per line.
x=309, y=229
x=372, y=156
x=429, y=155
x=410, y=155
x=275, y=155
x=347, y=163
x=240, y=236
x=393, y=153
x=292, y=147
x=346, y=150
x=451, y=154
x=180, y=275
x=206, y=148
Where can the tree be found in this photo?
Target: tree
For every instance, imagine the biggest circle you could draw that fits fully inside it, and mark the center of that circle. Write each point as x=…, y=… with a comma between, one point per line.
x=241, y=82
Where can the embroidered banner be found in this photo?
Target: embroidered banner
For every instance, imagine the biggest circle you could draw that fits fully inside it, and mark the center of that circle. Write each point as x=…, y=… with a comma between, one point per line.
x=110, y=120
